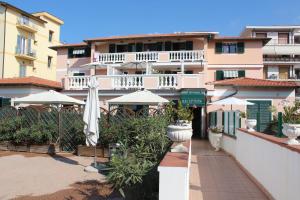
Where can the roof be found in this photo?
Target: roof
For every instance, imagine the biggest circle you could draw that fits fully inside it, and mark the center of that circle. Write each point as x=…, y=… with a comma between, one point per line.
x=273, y=27
x=22, y=11
x=81, y=44
x=149, y=36
x=49, y=16
x=241, y=38
x=31, y=80
x=251, y=82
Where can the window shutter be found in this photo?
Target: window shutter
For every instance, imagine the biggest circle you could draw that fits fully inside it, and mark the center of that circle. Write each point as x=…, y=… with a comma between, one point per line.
x=70, y=53
x=241, y=73
x=189, y=45
x=219, y=75
x=218, y=47
x=240, y=47
x=4, y=102
x=139, y=47
x=168, y=46
x=29, y=46
x=159, y=46
x=18, y=44
x=131, y=47
x=112, y=48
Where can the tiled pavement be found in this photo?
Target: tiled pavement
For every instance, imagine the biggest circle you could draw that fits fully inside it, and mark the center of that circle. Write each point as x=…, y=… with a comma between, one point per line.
x=217, y=176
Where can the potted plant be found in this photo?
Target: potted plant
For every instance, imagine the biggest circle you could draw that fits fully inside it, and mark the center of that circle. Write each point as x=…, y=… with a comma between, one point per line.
x=291, y=126
x=214, y=137
x=181, y=130
x=250, y=123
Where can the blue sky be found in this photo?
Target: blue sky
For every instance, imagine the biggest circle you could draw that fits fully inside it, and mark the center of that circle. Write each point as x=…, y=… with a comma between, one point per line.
x=95, y=18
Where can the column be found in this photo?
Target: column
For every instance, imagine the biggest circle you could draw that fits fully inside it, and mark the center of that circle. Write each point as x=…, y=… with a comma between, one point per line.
x=203, y=121
x=182, y=67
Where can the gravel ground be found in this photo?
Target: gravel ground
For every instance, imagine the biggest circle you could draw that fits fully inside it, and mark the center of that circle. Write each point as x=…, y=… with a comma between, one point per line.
x=37, y=176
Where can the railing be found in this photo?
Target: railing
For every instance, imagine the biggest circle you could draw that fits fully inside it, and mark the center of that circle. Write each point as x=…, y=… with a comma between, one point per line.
x=186, y=55
x=281, y=59
x=146, y=56
x=78, y=82
x=283, y=41
x=111, y=57
x=26, y=52
x=128, y=81
x=25, y=22
x=167, y=81
x=151, y=56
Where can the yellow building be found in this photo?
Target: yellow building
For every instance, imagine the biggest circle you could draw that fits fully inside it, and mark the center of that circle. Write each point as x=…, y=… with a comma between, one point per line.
x=24, y=43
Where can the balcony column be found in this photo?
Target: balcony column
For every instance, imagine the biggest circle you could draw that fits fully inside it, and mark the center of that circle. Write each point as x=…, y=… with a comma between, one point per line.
x=148, y=68
x=182, y=67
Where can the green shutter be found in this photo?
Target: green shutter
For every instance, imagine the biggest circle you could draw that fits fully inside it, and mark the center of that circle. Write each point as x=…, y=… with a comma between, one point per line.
x=240, y=47
x=189, y=45
x=219, y=75
x=70, y=53
x=112, y=48
x=241, y=73
x=218, y=48
x=168, y=46
x=159, y=46
x=131, y=47
x=139, y=47
x=4, y=101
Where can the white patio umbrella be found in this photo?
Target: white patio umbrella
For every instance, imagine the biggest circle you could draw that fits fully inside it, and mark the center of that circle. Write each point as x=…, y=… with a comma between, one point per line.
x=140, y=97
x=91, y=118
x=48, y=97
x=231, y=101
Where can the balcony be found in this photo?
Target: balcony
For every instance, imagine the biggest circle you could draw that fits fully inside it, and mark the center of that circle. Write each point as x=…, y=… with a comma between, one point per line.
x=282, y=46
x=26, y=25
x=151, y=56
x=151, y=81
x=281, y=60
x=27, y=54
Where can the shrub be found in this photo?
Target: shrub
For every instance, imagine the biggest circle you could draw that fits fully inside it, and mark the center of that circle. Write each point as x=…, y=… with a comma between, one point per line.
x=8, y=127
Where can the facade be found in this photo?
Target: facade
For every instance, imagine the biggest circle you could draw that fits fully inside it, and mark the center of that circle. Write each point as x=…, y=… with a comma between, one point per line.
x=186, y=66
x=24, y=42
x=281, y=55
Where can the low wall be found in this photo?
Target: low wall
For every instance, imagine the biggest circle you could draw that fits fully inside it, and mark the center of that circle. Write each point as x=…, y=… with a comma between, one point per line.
x=174, y=175
x=275, y=165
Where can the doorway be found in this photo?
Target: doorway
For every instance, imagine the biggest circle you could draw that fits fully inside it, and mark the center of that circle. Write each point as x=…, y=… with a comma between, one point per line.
x=196, y=122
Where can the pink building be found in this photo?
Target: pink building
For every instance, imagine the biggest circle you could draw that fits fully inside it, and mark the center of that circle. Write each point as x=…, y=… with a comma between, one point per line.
x=186, y=66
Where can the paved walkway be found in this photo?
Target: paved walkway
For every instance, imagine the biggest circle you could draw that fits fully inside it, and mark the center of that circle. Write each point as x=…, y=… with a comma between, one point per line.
x=216, y=176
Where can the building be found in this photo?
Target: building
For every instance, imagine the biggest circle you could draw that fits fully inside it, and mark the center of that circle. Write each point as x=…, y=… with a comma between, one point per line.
x=281, y=55
x=25, y=39
x=193, y=67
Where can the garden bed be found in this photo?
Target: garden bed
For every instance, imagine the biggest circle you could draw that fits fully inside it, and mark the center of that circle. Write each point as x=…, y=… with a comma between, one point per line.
x=83, y=150
x=45, y=149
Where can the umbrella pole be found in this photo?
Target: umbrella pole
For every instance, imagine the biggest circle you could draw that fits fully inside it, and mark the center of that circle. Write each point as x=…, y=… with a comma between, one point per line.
x=95, y=155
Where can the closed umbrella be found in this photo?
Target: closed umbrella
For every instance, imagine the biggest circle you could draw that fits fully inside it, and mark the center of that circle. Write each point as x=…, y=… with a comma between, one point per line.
x=91, y=118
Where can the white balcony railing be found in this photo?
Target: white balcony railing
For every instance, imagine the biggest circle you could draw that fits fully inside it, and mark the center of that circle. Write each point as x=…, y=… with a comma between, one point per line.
x=111, y=57
x=146, y=56
x=128, y=81
x=136, y=81
x=186, y=55
x=151, y=56
x=167, y=81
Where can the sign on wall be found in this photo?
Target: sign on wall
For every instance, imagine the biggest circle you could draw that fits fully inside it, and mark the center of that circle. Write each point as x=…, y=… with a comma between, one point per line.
x=193, y=98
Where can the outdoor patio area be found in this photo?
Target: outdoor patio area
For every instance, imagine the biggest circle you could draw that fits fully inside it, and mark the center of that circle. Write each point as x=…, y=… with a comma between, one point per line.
x=217, y=176
x=40, y=176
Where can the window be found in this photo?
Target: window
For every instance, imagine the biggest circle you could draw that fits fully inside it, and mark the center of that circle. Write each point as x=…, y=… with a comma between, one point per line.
x=261, y=35
x=79, y=52
x=78, y=74
x=229, y=74
x=49, y=61
x=22, y=71
x=24, y=20
x=50, y=36
x=229, y=47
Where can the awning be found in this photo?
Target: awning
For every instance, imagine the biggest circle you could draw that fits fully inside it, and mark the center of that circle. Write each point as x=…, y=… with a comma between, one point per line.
x=140, y=97
x=193, y=98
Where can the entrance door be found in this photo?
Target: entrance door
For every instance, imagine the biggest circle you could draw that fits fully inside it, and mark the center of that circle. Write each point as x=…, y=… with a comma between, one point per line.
x=260, y=111
x=196, y=123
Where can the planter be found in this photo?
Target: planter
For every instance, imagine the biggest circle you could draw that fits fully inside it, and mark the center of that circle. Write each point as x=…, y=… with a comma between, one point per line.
x=292, y=131
x=179, y=134
x=4, y=146
x=251, y=123
x=49, y=148
x=90, y=151
x=21, y=148
x=215, y=139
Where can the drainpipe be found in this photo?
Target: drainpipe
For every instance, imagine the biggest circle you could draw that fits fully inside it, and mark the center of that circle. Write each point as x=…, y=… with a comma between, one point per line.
x=4, y=38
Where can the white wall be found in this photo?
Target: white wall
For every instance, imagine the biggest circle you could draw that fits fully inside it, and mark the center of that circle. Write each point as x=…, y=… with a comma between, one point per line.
x=275, y=167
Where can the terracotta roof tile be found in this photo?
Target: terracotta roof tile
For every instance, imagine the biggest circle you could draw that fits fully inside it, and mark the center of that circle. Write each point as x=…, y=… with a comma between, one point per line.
x=31, y=80
x=251, y=82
